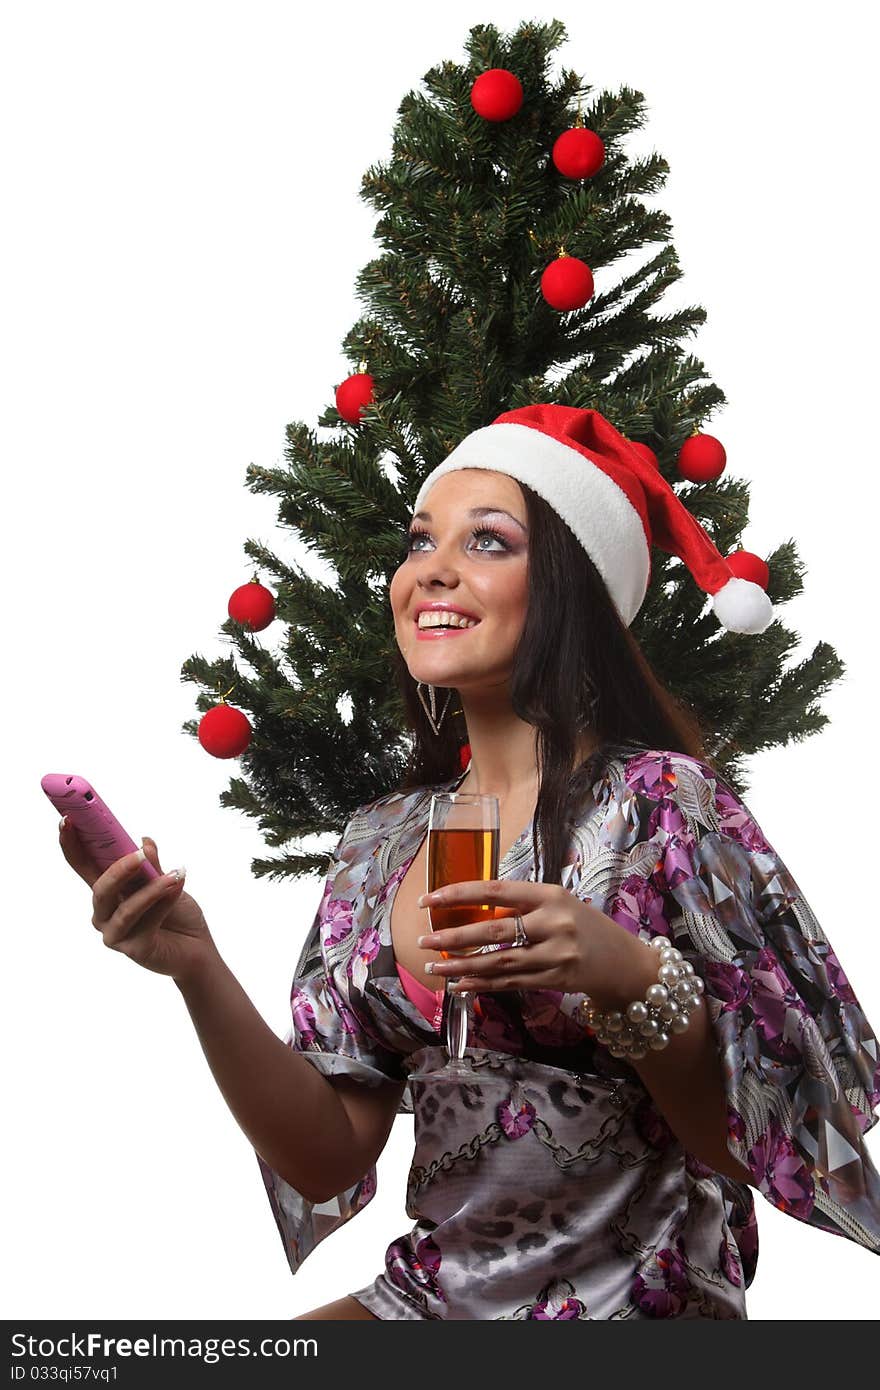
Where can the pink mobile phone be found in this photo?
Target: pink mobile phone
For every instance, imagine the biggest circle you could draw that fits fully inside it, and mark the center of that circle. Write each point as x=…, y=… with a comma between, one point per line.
x=95, y=824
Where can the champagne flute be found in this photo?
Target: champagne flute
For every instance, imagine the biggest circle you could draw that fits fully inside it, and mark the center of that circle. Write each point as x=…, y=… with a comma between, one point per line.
x=463, y=842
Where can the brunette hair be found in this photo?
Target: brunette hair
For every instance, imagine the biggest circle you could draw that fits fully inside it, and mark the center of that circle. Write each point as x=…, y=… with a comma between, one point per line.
x=573, y=636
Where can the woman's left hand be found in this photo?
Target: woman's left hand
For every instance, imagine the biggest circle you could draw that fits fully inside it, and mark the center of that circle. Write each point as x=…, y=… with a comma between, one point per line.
x=572, y=947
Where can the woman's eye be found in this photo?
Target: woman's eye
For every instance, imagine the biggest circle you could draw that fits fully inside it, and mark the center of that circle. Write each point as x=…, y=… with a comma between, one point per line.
x=493, y=535
x=478, y=534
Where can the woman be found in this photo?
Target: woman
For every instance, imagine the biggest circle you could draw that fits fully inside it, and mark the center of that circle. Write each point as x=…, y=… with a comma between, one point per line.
x=595, y=1166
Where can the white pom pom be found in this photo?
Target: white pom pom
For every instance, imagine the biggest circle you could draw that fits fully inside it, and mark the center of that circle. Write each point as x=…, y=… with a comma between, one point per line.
x=741, y=606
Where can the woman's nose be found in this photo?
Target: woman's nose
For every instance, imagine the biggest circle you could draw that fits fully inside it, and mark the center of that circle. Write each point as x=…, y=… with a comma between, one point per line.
x=438, y=566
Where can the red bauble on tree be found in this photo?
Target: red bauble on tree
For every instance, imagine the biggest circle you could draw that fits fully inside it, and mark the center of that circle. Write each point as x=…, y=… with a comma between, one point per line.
x=353, y=394
x=579, y=153
x=647, y=454
x=224, y=732
x=701, y=458
x=567, y=283
x=253, y=605
x=745, y=565
x=497, y=95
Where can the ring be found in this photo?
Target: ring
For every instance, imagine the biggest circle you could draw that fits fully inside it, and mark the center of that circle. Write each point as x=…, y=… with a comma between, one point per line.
x=520, y=939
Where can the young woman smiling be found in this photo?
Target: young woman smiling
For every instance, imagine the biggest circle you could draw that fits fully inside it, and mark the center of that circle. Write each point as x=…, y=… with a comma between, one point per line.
x=661, y=1025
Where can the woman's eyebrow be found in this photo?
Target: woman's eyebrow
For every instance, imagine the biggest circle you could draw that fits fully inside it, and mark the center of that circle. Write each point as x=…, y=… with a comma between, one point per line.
x=476, y=511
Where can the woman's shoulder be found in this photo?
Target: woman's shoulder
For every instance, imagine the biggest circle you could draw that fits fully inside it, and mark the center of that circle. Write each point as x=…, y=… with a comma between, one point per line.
x=387, y=815
x=369, y=826
x=383, y=809
x=384, y=812
x=658, y=773
x=402, y=798
x=694, y=791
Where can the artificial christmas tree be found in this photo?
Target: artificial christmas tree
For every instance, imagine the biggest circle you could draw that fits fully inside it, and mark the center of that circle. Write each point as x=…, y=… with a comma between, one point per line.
x=475, y=204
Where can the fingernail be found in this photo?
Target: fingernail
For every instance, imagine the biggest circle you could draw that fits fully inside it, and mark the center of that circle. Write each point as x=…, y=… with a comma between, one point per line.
x=62, y=824
x=175, y=875
x=429, y=967
x=141, y=855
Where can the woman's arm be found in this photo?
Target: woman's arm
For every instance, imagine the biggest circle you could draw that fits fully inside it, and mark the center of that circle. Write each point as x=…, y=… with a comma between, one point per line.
x=317, y=1138
x=684, y=1077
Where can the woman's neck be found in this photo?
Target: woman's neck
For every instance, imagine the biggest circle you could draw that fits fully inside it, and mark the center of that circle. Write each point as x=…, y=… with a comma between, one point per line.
x=529, y=786
x=471, y=783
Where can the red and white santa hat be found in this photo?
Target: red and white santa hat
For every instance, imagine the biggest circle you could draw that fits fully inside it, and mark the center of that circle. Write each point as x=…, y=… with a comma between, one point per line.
x=616, y=502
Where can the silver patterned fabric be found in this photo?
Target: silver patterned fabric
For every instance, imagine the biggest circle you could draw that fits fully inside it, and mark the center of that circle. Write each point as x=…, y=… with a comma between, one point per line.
x=548, y=1185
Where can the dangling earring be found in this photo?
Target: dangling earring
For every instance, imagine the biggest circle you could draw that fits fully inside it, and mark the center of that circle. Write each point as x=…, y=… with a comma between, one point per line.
x=432, y=712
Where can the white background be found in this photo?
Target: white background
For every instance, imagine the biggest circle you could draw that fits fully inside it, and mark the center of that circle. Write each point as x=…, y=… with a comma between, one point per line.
x=182, y=232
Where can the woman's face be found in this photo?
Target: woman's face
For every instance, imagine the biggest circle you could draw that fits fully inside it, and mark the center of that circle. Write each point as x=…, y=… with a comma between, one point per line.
x=477, y=563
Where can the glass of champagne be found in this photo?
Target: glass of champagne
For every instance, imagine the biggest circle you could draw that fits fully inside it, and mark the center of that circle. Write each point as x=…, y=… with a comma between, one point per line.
x=463, y=836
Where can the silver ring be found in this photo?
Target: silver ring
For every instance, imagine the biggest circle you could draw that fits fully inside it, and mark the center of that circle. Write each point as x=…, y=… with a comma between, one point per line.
x=520, y=939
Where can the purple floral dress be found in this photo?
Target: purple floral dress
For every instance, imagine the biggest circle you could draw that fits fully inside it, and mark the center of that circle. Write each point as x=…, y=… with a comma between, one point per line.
x=549, y=1185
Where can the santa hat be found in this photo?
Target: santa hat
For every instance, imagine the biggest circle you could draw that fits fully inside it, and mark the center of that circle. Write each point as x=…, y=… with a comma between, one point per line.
x=616, y=502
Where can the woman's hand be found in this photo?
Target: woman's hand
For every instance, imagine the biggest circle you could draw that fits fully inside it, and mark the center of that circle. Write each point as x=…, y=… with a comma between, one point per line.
x=572, y=947
x=158, y=926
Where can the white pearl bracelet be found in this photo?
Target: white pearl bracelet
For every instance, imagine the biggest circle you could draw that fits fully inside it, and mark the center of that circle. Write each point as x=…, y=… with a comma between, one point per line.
x=649, y=1023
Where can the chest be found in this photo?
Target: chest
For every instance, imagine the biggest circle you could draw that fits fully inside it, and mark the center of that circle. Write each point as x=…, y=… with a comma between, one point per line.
x=408, y=921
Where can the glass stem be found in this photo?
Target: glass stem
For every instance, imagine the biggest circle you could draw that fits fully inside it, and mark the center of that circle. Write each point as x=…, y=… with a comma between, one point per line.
x=456, y=1021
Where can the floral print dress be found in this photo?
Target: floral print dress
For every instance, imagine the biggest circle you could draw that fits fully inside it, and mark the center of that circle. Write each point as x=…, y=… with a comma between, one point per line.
x=548, y=1185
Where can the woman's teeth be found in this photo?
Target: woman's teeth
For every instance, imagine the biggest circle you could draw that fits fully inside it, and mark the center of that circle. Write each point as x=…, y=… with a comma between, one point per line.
x=445, y=620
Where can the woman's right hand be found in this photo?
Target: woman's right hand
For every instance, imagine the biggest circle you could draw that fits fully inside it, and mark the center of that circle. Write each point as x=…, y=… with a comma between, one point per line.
x=158, y=926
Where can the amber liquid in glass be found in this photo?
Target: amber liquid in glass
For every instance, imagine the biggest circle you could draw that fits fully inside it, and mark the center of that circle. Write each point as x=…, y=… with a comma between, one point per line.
x=460, y=856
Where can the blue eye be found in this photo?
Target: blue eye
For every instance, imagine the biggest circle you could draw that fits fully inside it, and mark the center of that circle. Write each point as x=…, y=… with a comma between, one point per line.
x=416, y=532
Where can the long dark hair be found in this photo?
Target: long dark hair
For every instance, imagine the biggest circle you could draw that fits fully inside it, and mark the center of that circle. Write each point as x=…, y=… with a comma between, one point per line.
x=573, y=638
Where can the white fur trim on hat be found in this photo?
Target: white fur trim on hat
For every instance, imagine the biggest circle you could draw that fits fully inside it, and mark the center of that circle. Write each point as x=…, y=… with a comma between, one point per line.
x=598, y=512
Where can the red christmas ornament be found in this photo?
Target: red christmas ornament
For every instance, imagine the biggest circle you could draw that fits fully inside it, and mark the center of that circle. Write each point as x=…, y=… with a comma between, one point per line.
x=352, y=395
x=647, y=454
x=579, y=153
x=745, y=565
x=253, y=605
x=567, y=283
x=224, y=732
x=701, y=458
x=464, y=755
x=497, y=95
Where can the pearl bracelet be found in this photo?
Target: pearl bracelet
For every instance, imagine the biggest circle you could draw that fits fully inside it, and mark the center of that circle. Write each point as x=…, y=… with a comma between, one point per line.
x=649, y=1023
